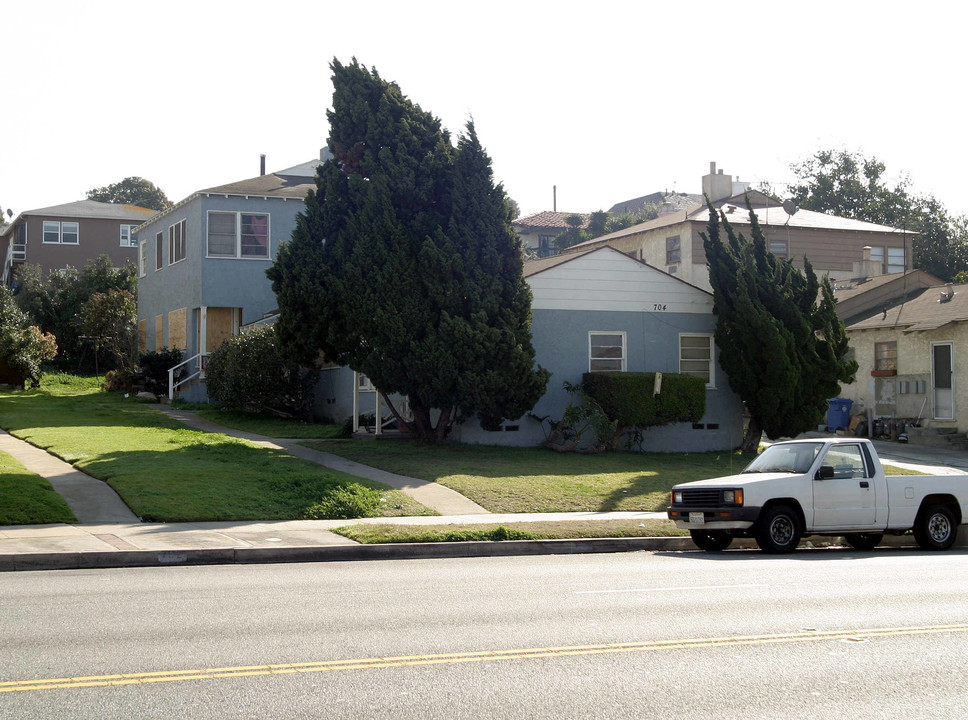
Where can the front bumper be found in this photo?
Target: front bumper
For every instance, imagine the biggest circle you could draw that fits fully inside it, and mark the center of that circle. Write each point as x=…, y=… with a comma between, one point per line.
x=718, y=518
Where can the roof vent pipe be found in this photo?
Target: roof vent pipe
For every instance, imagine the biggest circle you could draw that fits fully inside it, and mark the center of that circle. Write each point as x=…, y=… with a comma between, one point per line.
x=262, y=164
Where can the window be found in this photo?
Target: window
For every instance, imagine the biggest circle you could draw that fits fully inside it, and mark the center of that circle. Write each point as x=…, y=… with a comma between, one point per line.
x=885, y=356
x=847, y=461
x=159, y=251
x=65, y=233
x=127, y=237
x=606, y=352
x=673, y=250
x=877, y=256
x=696, y=357
x=51, y=232
x=778, y=248
x=69, y=233
x=235, y=235
x=545, y=245
x=143, y=259
x=176, y=242
x=895, y=260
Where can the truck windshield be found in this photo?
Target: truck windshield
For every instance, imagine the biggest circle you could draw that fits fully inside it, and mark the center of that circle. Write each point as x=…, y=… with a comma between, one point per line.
x=785, y=458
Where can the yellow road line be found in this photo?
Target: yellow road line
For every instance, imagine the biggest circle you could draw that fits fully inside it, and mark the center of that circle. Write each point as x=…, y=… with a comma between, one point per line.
x=466, y=657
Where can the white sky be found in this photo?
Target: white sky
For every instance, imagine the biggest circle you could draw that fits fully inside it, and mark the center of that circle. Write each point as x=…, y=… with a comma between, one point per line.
x=607, y=100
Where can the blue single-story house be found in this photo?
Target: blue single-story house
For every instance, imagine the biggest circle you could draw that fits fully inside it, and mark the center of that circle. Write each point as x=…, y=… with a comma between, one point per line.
x=597, y=310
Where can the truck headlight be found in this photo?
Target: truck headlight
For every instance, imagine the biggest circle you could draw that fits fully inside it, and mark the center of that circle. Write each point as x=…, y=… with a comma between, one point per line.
x=732, y=497
x=677, y=497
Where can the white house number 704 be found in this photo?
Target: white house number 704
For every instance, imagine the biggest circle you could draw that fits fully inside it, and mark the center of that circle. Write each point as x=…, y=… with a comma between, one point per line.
x=659, y=306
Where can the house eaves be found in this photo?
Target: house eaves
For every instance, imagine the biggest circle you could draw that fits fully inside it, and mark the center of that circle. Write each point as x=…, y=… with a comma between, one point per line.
x=934, y=308
x=263, y=187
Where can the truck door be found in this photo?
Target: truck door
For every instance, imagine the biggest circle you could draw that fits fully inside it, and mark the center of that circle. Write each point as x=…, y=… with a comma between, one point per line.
x=847, y=499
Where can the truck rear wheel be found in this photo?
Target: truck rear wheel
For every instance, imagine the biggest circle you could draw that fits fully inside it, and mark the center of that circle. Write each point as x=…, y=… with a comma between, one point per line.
x=778, y=530
x=711, y=540
x=864, y=541
x=935, y=527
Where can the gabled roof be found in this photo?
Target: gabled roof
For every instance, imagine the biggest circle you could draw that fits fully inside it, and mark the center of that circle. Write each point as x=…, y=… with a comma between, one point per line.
x=738, y=214
x=91, y=209
x=271, y=185
x=291, y=186
x=549, y=219
x=678, y=201
x=533, y=267
x=934, y=308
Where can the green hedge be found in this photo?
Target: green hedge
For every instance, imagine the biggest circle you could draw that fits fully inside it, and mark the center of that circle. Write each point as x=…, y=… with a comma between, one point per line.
x=629, y=399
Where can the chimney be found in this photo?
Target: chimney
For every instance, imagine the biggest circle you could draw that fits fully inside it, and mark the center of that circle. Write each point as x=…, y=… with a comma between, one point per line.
x=554, y=198
x=716, y=185
x=262, y=164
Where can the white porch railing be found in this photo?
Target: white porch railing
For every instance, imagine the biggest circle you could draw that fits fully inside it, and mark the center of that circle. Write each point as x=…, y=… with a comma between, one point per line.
x=200, y=361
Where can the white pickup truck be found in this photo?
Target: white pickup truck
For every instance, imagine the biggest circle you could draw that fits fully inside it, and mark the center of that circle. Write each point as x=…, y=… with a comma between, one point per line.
x=832, y=486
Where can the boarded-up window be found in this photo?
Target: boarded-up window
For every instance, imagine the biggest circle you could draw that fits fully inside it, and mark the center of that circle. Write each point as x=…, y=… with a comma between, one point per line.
x=143, y=337
x=178, y=329
x=220, y=325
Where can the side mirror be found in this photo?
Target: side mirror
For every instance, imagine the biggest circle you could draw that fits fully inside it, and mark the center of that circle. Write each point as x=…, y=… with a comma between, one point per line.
x=825, y=471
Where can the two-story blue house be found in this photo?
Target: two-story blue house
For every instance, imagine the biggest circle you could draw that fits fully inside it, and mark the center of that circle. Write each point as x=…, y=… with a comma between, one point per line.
x=201, y=264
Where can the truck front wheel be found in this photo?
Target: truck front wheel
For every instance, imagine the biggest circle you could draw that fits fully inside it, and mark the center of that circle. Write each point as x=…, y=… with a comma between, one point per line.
x=778, y=530
x=711, y=540
x=935, y=527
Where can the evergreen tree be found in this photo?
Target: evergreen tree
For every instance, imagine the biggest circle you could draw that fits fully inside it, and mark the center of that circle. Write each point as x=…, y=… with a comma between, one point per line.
x=404, y=265
x=781, y=343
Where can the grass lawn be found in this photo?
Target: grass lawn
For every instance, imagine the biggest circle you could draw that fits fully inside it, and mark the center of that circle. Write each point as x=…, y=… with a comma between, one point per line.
x=507, y=479
x=267, y=425
x=28, y=499
x=169, y=473
x=566, y=530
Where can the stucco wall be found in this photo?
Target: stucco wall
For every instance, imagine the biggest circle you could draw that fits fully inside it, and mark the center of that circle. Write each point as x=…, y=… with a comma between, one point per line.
x=211, y=282
x=560, y=339
x=913, y=364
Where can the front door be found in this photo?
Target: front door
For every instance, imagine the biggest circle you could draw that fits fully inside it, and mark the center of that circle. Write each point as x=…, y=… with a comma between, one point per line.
x=847, y=499
x=943, y=381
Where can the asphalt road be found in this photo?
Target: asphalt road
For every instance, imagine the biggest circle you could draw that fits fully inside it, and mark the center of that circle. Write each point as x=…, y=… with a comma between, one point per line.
x=827, y=633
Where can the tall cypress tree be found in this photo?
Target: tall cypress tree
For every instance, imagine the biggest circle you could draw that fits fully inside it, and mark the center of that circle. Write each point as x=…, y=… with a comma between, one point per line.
x=781, y=342
x=404, y=265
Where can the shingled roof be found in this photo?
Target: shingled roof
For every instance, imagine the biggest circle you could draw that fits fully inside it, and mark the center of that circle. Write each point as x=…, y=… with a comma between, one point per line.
x=549, y=219
x=934, y=308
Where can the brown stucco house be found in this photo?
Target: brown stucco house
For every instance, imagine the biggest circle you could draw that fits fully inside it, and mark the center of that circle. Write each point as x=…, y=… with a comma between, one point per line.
x=838, y=247
x=71, y=235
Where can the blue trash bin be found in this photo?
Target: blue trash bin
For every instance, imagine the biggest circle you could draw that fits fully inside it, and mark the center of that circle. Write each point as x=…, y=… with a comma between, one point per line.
x=838, y=413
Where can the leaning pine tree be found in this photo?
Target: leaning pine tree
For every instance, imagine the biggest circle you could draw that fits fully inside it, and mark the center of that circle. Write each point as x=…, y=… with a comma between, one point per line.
x=404, y=265
x=781, y=342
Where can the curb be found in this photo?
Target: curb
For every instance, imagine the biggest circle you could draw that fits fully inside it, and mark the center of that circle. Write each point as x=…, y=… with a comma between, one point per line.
x=91, y=560
x=338, y=553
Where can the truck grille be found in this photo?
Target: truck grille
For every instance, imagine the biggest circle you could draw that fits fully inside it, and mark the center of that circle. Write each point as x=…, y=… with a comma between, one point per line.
x=702, y=498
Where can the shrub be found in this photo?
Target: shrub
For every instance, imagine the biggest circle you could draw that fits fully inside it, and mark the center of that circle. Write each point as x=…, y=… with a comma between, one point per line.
x=118, y=381
x=155, y=366
x=346, y=501
x=23, y=347
x=250, y=372
x=629, y=398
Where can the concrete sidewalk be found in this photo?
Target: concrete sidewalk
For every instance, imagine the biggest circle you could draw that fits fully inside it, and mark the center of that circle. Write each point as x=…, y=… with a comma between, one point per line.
x=109, y=534
x=36, y=547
